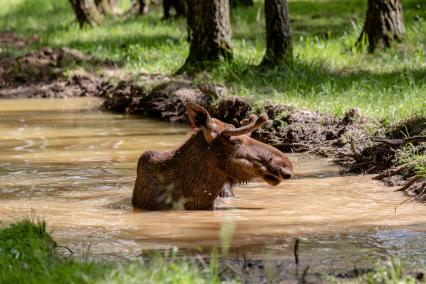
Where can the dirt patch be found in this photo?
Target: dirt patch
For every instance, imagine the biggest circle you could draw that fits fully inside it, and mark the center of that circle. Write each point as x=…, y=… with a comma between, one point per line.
x=166, y=101
x=13, y=40
x=41, y=74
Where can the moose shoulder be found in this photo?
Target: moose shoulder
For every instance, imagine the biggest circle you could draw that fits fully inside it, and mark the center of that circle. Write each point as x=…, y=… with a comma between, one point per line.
x=218, y=154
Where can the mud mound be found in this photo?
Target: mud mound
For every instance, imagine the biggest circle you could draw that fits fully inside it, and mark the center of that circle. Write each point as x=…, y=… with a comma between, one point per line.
x=125, y=97
x=45, y=65
x=40, y=74
x=231, y=110
x=294, y=130
x=166, y=101
x=76, y=86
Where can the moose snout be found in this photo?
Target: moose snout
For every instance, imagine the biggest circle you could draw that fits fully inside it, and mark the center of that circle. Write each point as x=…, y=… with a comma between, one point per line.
x=286, y=173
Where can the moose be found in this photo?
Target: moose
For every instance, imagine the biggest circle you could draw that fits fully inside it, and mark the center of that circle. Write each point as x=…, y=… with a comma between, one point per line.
x=216, y=156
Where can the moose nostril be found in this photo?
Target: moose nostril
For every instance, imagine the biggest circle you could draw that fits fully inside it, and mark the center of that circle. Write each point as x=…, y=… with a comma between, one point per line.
x=286, y=173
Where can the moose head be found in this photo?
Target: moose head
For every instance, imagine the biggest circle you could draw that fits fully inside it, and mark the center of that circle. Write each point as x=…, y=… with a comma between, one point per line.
x=217, y=154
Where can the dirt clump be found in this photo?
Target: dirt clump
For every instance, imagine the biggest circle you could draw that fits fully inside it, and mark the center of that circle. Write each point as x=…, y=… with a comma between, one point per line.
x=231, y=110
x=76, y=86
x=166, y=101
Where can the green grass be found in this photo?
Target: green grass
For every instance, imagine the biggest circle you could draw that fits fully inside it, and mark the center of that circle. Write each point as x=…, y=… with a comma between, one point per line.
x=28, y=254
x=391, y=272
x=328, y=74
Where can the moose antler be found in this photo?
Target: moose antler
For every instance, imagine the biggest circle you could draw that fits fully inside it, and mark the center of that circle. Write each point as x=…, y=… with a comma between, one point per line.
x=252, y=126
x=252, y=117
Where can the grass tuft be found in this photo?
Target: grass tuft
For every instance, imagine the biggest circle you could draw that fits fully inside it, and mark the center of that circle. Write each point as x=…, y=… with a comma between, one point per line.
x=28, y=255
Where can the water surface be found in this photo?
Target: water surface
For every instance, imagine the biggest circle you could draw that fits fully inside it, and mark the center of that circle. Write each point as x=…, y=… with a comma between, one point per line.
x=62, y=161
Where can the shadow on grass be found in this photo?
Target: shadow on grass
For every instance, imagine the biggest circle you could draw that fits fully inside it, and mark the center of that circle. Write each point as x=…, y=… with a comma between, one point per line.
x=312, y=80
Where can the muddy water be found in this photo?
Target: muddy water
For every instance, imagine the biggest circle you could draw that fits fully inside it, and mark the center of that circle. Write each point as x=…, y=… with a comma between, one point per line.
x=75, y=168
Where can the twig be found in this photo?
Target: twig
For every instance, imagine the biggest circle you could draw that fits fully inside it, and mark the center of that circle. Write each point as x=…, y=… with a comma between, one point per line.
x=67, y=248
x=408, y=184
x=302, y=279
x=296, y=251
x=408, y=199
x=370, y=169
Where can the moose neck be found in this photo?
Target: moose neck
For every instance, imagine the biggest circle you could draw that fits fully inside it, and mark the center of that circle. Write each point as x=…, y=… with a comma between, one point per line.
x=195, y=166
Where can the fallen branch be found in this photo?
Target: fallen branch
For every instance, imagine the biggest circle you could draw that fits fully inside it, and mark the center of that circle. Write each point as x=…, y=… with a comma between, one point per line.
x=399, y=142
x=67, y=248
x=409, y=183
x=393, y=171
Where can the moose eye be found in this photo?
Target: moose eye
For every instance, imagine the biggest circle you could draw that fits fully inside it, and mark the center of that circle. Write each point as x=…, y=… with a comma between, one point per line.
x=235, y=140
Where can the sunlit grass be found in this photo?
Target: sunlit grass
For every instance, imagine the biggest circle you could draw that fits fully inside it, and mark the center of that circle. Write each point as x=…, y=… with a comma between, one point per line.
x=28, y=254
x=327, y=74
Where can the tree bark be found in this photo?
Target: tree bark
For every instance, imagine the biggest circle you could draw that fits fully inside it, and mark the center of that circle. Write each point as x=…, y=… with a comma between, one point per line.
x=211, y=32
x=279, y=46
x=383, y=24
x=86, y=12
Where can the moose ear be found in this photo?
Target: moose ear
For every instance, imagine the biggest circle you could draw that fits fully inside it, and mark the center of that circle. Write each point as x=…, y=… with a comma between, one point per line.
x=199, y=117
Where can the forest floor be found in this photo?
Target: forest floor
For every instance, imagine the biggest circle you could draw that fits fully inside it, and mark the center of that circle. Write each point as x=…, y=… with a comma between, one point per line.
x=366, y=110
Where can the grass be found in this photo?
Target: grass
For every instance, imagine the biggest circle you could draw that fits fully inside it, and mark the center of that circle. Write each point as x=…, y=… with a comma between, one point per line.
x=327, y=75
x=392, y=271
x=28, y=254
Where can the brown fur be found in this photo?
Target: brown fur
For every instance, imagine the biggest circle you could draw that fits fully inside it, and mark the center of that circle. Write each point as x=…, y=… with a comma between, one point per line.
x=192, y=176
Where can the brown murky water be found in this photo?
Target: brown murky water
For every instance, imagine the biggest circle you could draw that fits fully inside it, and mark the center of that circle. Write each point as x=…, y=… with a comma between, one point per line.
x=75, y=167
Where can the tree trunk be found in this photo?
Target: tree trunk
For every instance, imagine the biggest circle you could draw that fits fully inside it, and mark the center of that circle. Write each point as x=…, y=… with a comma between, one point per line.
x=211, y=32
x=236, y=3
x=383, y=23
x=86, y=12
x=279, y=47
